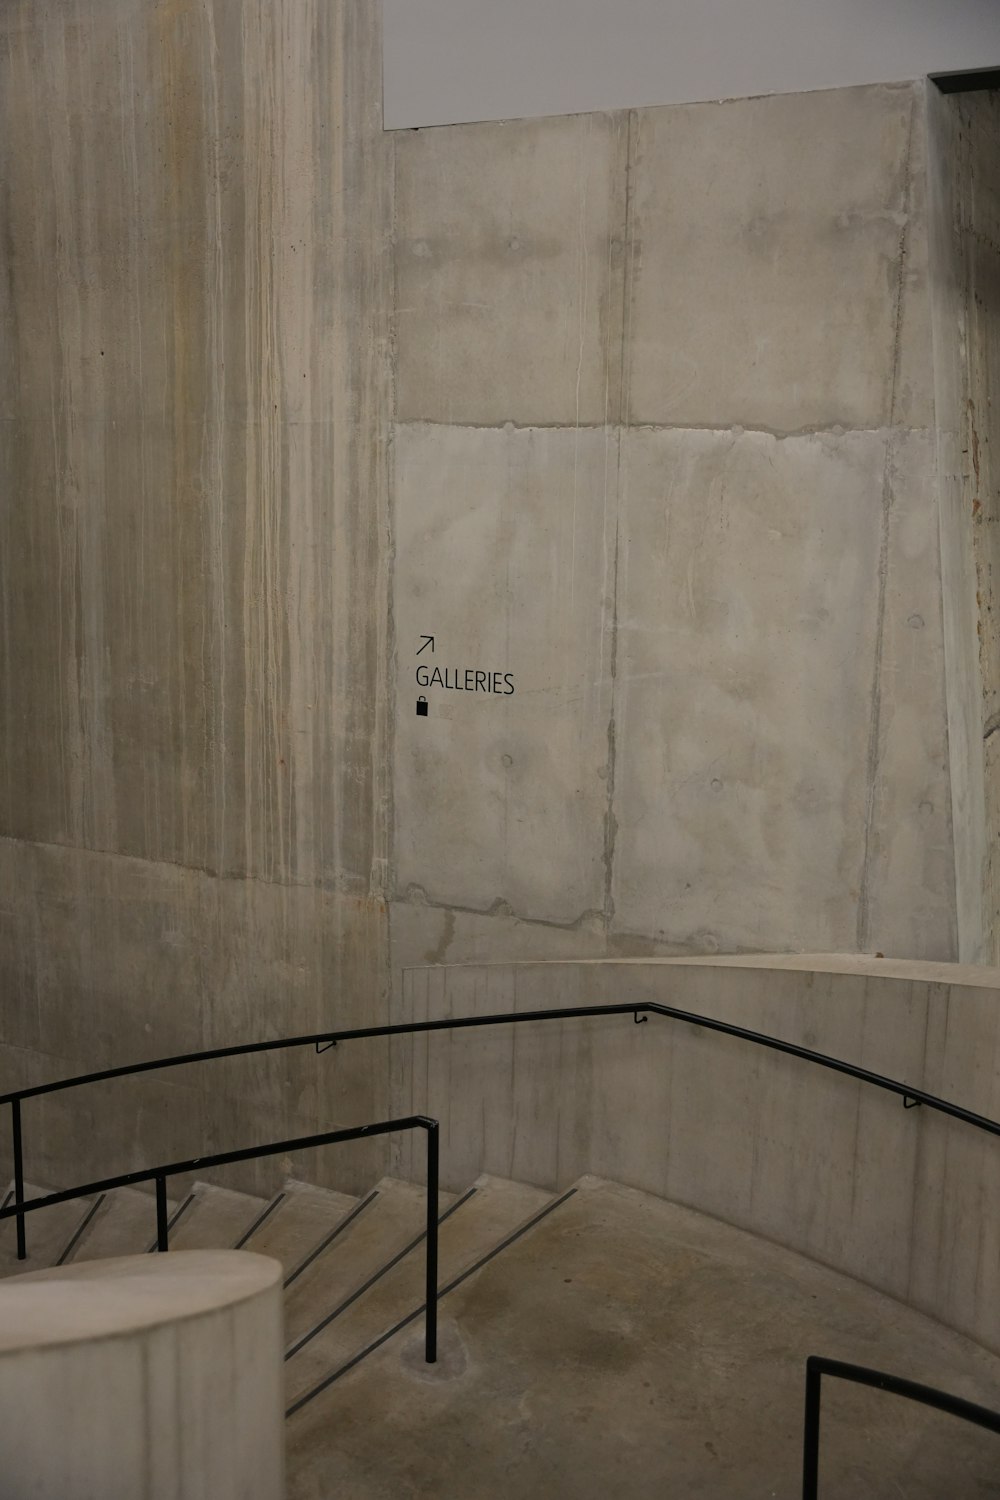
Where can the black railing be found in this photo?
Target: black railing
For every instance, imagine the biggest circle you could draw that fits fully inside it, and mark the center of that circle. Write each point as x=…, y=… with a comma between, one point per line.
x=159, y=1175
x=324, y=1039
x=817, y=1366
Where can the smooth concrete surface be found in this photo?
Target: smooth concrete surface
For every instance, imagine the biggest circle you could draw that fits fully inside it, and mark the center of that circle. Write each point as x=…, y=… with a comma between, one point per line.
x=629, y=1347
x=746, y=813
x=810, y=196
x=718, y=591
x=148, y=1376
x=835, y=1169
x=519, y=218
x=504, y=795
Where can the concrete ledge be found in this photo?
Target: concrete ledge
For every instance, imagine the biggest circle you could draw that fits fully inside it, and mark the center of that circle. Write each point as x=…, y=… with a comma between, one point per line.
x=143, y=1378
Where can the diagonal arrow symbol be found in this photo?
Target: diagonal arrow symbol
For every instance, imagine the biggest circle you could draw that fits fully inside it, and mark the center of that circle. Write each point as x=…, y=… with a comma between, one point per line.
x=428, y=640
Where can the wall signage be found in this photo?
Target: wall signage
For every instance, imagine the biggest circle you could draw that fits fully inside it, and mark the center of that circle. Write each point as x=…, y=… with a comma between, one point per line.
x=458, y=679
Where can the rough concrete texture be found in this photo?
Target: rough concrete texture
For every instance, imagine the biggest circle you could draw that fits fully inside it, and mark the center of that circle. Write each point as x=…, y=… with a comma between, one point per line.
x=960, y=611
x=721, y=589
x=195, y=318
x=977, y=225
x=966, y=246
x=110, y=960
x=774, y=1144
x=628, y=1347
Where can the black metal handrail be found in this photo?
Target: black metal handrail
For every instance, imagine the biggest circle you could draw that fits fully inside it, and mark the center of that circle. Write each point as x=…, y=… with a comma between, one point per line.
x=817, y=1366
x=160, y=1174
x=321, y=1040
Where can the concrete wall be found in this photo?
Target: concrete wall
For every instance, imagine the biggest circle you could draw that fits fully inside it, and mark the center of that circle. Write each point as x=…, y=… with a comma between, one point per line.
x=194, y=391
x=965, y=250
x=636, y=414
x=664, y=452
x=903, y=1199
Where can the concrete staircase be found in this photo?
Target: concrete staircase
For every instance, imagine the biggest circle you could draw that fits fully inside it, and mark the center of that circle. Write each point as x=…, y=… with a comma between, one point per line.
x=596, y=1342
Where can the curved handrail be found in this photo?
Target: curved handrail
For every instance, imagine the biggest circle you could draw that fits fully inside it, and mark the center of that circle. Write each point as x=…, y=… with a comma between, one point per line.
x=324, y=1039
x=160, y=1174
x=817, y=1365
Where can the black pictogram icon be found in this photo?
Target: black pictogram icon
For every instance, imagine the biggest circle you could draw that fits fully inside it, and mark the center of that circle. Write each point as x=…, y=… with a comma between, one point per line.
x=422, y=706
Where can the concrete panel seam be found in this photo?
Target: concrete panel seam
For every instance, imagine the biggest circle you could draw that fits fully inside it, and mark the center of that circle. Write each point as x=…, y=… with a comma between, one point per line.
x=341, y=886
x=814, y=429
x=610, y=821
x=385, y=878
x=416, y=896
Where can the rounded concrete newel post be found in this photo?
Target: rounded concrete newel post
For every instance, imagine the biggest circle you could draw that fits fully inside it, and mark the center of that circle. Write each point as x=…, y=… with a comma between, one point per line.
x=143, y=1378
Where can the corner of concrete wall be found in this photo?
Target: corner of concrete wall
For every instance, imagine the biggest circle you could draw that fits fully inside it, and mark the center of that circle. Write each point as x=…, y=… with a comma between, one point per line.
x=966, y=586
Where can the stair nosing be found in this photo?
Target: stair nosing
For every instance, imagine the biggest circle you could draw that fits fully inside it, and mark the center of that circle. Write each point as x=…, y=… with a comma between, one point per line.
x=360, y=1291
x=451, y=1286
x=78, y=1232
x=328, y=1239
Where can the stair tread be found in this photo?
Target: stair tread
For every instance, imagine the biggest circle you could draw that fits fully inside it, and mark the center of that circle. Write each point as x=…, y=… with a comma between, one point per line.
x=125, y=1224
x=302, y=1218
x=479, y=1225
x=394, y=1217
x=47, y=1232
x=216, y=1218
x=628, y=1346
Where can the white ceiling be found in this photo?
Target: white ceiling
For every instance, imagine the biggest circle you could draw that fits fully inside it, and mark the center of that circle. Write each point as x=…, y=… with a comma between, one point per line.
x=452, y=60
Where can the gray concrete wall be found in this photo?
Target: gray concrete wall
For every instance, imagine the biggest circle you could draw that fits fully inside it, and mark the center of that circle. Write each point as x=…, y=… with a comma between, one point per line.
x=903, y=1199
x=636, y=414
x=966, y=282
x=664, y=452
x=194, y=389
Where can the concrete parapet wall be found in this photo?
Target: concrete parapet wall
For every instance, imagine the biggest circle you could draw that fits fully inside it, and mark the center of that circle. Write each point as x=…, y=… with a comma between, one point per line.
x=904, y=1199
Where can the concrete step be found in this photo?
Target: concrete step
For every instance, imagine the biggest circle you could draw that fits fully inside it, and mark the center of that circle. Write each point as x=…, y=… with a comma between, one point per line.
x=393, y=1215
x=477, y=1223
x=124, y=1224
x=217, y=1218
x=48, y=1232
x=300, y=1219
x=626, y=1346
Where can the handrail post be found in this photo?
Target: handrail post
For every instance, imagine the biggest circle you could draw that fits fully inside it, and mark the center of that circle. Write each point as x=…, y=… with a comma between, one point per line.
x=15, y=1129
x=810, y=1441
x=161, y=1213
x=433, y=1161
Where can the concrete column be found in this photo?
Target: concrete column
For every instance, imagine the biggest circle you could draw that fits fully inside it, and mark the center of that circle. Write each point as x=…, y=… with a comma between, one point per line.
x=144, y=1377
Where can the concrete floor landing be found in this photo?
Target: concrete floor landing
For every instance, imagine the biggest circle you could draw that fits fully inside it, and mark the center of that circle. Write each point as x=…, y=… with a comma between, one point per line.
x=628, y=1347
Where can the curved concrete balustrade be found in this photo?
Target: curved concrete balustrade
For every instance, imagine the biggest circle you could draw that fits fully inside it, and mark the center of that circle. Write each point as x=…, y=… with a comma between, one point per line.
x=906, y=1200
x=142, y=1378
